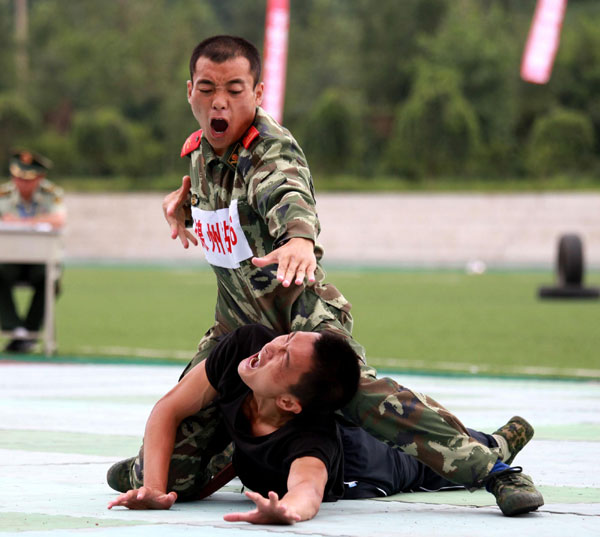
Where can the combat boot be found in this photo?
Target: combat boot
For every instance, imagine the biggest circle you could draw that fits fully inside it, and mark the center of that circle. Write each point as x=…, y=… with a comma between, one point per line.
x=514, y=491
x=514, y=436
x=118, y=475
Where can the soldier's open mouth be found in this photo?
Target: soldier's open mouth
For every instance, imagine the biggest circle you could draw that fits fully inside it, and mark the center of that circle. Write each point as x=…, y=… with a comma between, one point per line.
x=219, y=125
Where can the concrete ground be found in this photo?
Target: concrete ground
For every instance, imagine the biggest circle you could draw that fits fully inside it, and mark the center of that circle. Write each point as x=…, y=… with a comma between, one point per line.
x=63, y=425
x=399, y=229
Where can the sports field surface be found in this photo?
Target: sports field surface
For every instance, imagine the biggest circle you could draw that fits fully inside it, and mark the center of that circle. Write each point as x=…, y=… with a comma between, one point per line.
x=442, y=321
x=63, y=425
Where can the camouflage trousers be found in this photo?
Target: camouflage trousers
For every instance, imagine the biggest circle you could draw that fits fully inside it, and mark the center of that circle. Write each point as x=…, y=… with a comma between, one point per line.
x=394, y=414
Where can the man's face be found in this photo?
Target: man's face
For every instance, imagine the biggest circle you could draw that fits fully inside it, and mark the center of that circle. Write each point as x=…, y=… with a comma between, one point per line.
x=279, y=364
x=27, y=187
x=223, y=100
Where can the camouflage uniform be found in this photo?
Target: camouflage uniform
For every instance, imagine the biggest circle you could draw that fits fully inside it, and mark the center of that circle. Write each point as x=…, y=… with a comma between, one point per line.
x=266, y=177
x=47, y=199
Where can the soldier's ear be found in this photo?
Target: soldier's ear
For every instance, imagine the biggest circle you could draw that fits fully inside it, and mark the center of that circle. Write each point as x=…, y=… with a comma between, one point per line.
x=258, y=93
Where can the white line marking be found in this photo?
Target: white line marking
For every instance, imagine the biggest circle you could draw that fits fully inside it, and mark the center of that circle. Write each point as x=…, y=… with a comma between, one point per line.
x=471, y=368
x=381, y=362
x=136, y=352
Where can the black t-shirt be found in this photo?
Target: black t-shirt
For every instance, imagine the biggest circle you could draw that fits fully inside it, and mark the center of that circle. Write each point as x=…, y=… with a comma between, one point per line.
x=263, y=462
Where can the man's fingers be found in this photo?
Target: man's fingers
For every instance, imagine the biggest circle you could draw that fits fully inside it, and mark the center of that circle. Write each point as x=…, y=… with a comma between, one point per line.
x=234, y=517
x=310, y=272
x=288, y=270
x=256, y=497
x=191, y=237
x=185, y=236
x=175, y=199
x=174, y=229
x=304, y=269
x=264, y=261
x=166, y=501
x=184, y=190
x=122, y=499
x=251, y=516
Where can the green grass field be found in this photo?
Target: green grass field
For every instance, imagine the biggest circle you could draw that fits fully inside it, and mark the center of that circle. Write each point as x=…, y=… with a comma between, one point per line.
x=427, y=321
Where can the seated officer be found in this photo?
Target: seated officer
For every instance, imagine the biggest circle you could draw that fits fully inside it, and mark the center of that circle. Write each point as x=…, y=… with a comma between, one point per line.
x=27, y=199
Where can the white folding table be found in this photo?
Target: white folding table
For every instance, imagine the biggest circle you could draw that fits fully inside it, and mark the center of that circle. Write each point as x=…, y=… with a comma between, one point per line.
x=36, y=244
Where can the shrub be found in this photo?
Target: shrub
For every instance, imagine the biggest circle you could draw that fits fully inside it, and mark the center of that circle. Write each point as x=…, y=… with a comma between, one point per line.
x=560, y=141
x=100, y=137
x=436, y=131
x=110, y=144
x=58, y=148
x=331, y=134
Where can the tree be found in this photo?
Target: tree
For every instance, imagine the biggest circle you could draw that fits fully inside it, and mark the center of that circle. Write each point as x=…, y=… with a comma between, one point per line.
x=436, y=131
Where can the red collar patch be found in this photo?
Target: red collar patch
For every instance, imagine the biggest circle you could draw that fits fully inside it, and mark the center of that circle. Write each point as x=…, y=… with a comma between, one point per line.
x=250, y=136
x=192, y=143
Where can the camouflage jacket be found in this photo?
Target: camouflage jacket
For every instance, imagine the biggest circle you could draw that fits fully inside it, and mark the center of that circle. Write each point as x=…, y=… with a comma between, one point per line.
x=47, y=199
x=248, y=202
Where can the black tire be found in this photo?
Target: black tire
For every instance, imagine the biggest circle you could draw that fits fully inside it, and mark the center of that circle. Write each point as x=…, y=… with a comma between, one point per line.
x=570, y=260
x=573, y=291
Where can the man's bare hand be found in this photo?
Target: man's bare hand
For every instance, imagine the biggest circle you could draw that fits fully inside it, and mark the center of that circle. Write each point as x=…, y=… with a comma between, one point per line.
x=175, y=213
x=295, y=259
x=268, y=511
x=144, y=498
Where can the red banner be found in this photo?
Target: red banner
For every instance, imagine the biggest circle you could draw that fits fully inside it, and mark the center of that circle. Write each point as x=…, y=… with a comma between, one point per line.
x=543, y=40
x=276, y=40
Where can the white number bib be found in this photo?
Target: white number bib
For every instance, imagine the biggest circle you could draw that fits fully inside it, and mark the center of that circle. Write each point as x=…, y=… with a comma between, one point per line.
x=221, y=236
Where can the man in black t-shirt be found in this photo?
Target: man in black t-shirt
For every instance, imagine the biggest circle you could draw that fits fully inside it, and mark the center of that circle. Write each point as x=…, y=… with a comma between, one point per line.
x=277, y=396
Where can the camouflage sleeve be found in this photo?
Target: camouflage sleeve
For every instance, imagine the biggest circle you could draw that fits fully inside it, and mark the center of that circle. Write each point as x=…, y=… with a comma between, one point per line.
x=281, y=191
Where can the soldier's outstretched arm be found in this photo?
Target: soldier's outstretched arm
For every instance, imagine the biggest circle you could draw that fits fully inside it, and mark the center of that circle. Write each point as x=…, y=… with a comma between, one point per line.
x=295, y=260
x=174, y=209
x=191, y=394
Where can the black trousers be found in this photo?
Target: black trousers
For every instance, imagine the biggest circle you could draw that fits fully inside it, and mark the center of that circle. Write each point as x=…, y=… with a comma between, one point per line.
x=35, y=276
x=373, y=469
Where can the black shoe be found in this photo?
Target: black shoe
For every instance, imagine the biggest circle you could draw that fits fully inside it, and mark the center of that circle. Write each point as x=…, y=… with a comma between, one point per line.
x=118, y=475
x=22, y=346
x=514, y=491
x=27, y=345
x=13, y=345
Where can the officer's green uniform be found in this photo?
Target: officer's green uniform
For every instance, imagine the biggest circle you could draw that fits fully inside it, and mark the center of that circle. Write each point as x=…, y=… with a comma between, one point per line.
x=246, y=203
x=47, y=199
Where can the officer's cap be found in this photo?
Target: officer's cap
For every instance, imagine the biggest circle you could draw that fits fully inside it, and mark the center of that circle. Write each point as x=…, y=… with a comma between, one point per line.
x=27, y=165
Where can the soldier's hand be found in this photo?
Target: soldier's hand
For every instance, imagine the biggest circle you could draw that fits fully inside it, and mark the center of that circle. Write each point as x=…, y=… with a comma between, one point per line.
x=175, y=213
x=145, y=498
x=295, y=259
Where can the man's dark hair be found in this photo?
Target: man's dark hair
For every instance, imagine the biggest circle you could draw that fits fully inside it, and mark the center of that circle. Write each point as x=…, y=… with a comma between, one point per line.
x=333, y=379
x=221, y=48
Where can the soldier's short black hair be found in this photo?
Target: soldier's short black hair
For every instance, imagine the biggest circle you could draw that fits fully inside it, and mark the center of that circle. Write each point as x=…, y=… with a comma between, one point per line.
x=333, y=378
x=221, y=48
